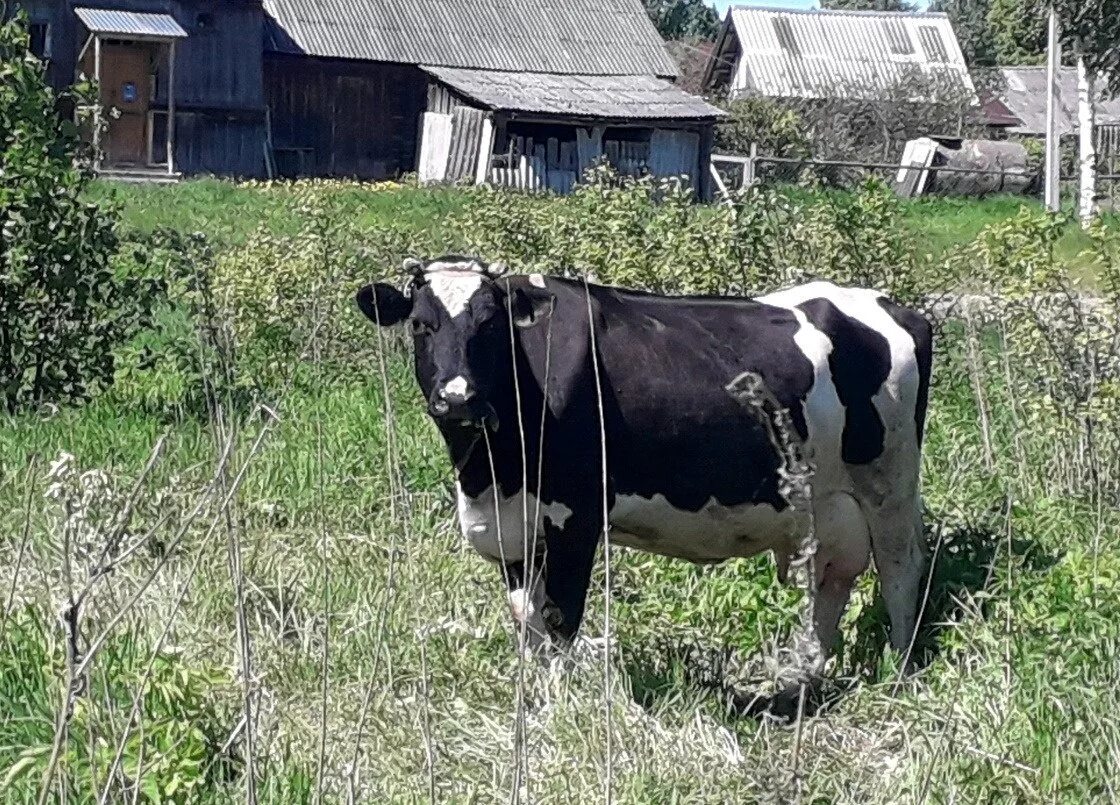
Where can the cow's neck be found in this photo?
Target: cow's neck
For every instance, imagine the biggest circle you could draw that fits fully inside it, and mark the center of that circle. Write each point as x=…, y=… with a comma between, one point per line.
x=468, y=447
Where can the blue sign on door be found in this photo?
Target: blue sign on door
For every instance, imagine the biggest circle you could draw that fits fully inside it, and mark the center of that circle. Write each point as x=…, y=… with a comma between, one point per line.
x=128, y=92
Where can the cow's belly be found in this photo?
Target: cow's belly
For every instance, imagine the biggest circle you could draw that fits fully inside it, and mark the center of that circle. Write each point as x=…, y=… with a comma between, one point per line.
x=504, y=531
x=712, y=534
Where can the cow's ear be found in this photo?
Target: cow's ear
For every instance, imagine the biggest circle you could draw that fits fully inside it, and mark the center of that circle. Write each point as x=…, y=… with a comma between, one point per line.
x=530, y=305
x=384, y=304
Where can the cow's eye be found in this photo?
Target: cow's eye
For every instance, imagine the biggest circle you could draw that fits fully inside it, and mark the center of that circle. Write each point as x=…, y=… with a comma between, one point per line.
x=420, y=327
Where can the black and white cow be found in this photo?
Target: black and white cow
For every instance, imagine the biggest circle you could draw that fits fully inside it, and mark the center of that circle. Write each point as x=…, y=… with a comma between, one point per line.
x=524, y=375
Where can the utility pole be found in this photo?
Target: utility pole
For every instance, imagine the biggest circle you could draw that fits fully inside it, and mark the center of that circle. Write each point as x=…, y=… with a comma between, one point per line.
x=1053, y=151
x=1087, y=129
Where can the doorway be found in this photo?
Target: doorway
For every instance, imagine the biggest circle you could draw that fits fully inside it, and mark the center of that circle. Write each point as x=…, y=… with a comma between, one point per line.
x=126, y=95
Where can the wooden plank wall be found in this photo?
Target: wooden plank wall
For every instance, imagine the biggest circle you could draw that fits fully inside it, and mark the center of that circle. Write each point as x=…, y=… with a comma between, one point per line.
x=557, y=164
x=210, y=143
x=359, y=119
x=218, y=78
x=219, y=64
x=674, y=152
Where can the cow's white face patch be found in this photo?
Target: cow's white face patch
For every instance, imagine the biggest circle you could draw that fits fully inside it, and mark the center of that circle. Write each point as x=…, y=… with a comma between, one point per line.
x=454, y=289
x=502, y=533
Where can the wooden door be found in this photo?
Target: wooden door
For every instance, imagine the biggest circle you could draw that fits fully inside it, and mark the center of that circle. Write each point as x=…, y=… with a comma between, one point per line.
x=126, y=86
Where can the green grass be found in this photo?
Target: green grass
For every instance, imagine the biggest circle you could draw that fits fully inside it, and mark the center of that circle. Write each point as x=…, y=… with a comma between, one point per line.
x=228, y=212
x=1014, y=702
x=352, y=559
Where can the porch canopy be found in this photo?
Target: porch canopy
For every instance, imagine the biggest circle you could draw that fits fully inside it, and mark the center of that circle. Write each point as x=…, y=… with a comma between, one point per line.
x=133, y=25
x=601, y=97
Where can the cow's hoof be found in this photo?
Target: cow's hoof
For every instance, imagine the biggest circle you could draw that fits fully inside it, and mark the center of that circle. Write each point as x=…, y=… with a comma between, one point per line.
x=783, y=706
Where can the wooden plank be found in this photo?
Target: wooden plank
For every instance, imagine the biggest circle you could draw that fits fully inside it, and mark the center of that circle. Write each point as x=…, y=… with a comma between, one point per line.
x=589, y=148
x=485, y=150
x=568, y=155
x=554, y=154
x=674, y=152
x=435, y=147
x=466, y=135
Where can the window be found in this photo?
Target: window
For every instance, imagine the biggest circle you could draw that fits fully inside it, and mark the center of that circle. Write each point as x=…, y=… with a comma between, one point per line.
x=898, y=38
x=204, y=21
x=40, y=35
x=933, y=44
x=784, y=31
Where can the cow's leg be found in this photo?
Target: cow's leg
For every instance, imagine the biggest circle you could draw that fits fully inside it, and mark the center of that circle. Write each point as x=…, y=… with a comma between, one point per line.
x=898, y=543
x=527, y=604
x=843, y=553
x=569, y=558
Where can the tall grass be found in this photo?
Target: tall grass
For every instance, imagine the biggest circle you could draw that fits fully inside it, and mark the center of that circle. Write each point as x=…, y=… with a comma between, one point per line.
x=288, y=608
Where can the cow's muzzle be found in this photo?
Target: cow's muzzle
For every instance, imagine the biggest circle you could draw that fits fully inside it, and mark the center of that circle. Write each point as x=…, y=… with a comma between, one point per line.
x=459, y=404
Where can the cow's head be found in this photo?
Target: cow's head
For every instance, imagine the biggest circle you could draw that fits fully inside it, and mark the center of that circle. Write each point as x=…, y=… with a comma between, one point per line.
x=460, y=311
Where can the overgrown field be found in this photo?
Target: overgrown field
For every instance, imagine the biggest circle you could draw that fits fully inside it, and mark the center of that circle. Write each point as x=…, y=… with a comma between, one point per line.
x=238, y=568
x=230, y=212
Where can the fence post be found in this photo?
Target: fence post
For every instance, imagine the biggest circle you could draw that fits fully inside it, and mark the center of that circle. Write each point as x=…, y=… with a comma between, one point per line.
x=749, y=177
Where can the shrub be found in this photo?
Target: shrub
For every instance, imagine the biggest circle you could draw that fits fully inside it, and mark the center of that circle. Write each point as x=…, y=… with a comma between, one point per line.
x=64, y=306
x=776, y=128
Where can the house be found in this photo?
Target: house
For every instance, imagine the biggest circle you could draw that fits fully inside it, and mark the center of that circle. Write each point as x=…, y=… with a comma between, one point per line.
x=829, y=55
x=526, y=93
x=186, y=72
x=1024, y=94
x=445, y=86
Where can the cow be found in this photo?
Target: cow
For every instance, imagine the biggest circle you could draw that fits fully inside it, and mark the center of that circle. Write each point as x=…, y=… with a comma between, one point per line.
x=565, y=405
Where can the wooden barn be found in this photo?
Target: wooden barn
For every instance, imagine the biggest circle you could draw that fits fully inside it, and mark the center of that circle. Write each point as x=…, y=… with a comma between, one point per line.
x=185, y=73
x=525, y=93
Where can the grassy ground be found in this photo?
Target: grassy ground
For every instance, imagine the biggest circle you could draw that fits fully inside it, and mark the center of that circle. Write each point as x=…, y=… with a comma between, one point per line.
x=380, y=659
x=230, y=212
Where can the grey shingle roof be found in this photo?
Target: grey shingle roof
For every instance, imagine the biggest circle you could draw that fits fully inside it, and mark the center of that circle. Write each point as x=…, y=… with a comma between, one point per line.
x=588, y=37
x=590, y=96
x=1025, y=96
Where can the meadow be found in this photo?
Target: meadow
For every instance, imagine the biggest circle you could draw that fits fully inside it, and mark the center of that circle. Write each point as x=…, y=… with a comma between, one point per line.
x=236, y=573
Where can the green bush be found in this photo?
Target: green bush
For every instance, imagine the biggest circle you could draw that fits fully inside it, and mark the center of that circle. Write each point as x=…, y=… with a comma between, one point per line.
x=775, y=128
x=64, y=306
x=174, y=752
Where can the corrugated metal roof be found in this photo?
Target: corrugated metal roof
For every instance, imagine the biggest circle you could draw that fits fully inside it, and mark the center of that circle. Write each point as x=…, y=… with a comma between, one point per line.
x=591, y=96
x=588, y=37
x=1025, y=95
x=845, y=54
x=130, y=23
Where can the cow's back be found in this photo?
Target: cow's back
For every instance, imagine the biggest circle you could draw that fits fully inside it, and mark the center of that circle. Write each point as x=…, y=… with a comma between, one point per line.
x=685, y=457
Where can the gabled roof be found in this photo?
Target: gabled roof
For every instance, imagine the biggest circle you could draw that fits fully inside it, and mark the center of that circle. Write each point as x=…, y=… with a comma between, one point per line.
x=584, y=37
x=1025, y=95
x=835, y=54
x=612, y=97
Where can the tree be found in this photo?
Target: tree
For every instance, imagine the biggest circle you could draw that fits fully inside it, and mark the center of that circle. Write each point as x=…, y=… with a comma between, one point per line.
x=1090, y=30
x=64, y=306
x=1018, y=31
x=683, y=19
x=869, y=5
x=970, y=21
